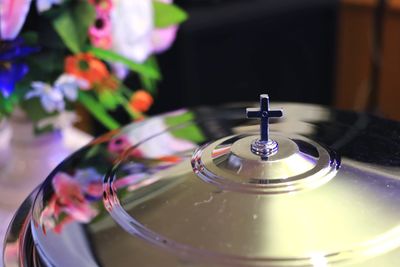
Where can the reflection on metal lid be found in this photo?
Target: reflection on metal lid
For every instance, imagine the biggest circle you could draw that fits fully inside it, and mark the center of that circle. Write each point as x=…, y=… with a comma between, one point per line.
x=171, y=192
x=298, y=164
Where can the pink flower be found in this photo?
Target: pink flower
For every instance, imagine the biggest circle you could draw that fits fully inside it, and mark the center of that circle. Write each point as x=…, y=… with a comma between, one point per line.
x=121, y=144
x=12, y=16
x=11, y=253
x=95, y=190
x=49, y=214
x=102, y=42
x=68, y=199
x=100, y=32
x=71, y=198
x=163, y=38
x=101, y=27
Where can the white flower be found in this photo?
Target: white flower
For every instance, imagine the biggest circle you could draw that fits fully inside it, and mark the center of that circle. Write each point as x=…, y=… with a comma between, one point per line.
x=69, y=85
x=50, y=98
x=60, y=121
x=44, y=5
x=132, y=28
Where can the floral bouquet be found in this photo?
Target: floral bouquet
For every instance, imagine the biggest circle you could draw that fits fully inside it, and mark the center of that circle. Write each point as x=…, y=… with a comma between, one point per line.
x=80, y=52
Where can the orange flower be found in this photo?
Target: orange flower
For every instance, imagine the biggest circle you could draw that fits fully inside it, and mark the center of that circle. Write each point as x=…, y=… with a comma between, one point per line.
x=86, y=66
x=141, y=101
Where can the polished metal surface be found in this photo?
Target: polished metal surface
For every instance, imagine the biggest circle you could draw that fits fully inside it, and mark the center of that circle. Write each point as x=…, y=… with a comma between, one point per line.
x=264, y=149
x=264, y=146
x=299, y=164
x=185, y=189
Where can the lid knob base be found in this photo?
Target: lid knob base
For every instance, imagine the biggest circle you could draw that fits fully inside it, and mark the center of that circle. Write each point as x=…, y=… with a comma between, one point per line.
x=264, y=149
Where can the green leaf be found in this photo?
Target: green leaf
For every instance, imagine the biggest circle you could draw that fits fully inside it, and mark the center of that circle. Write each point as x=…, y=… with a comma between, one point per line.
x=142, y=69
x=93, y=151
x=34, y=109
x=72, y=25
x=50, y=39
x=7, y=104
x=187, y=129
x=146, y=82
x=65, y=27
x=108, y=100
x=45, y=64
x=84, y=16
x=97, y=110
x=181, y=118
x=125, y=104
x=167, y=14
x=30, y=37
x=190, y=132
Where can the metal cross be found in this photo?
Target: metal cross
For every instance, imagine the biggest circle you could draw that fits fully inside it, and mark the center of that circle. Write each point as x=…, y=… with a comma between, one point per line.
x=264, y=113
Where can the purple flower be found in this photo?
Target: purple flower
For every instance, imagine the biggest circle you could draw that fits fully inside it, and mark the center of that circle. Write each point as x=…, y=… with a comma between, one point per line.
x=16, y=49
x=9, y=75
x=11, y=70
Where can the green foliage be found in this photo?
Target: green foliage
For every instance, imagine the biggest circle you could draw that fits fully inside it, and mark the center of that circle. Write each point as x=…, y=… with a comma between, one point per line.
x=30, y=37
x=91, y=104
x=142, y=69
x=186, y=130
x=72, y=25
x=34, y=109
x=45, y=66
x=68, y=34
x=148, y=83
x=108, y=100
x=7, y=104
x=167, y=14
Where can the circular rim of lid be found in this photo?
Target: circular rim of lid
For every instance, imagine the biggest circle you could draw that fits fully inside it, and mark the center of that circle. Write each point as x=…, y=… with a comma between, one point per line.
x=299, y=164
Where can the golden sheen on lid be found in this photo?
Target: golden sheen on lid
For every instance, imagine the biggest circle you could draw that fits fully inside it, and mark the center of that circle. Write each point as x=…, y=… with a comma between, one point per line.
x=299, y=186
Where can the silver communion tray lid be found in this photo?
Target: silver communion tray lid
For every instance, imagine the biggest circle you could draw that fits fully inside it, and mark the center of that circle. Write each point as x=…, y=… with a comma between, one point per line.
x=203, y=187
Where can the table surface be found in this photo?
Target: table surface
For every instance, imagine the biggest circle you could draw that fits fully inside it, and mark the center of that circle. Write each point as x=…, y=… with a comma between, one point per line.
x=73, y=139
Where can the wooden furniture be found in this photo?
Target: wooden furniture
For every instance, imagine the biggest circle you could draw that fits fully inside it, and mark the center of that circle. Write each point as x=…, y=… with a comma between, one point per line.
x=368, y=59
x=389, y=83
x=354, y=55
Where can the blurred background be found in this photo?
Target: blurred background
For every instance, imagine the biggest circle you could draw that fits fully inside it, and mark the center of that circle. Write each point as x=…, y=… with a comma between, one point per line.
x=233, y=50
x=338, y=53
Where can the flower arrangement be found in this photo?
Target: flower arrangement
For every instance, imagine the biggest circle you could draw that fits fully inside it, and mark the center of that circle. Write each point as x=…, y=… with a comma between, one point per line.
x=81, y=51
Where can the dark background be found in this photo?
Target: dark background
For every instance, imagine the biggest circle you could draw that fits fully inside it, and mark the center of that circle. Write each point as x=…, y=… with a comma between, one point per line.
x=233, y=50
